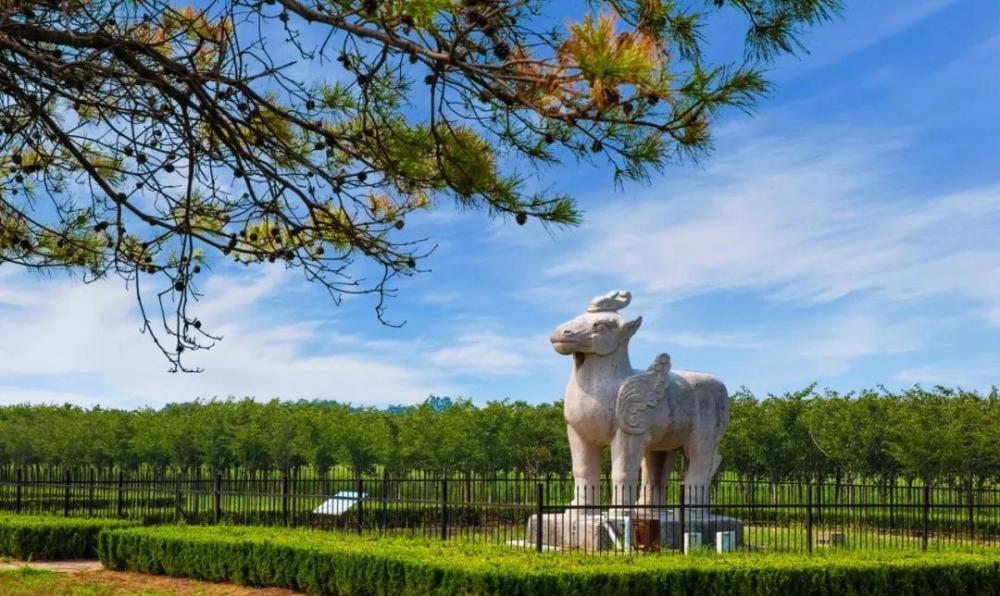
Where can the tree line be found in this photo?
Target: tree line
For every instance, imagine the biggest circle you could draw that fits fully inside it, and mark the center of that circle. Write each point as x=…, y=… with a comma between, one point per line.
x=919, y=434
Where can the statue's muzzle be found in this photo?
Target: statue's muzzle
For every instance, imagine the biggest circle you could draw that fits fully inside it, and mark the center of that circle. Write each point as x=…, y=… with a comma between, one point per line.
x=565, y=341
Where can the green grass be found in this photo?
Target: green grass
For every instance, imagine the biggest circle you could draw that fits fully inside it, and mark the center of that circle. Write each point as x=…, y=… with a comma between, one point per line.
x=324, y=562
x=27, y=581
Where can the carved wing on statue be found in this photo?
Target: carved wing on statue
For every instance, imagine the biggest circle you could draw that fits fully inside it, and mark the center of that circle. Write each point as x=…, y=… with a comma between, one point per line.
x=641, y=393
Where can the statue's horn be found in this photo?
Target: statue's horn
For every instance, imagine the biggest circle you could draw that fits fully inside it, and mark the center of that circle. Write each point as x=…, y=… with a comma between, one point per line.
x=611, y=302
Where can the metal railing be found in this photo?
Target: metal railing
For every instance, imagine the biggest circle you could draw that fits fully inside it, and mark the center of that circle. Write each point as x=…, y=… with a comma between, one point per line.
x=781, y=516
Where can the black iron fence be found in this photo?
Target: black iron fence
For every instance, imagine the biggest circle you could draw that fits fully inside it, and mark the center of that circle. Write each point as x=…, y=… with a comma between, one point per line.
x=542, y=513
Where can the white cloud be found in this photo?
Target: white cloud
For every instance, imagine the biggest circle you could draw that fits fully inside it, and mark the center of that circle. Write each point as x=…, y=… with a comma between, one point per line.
x=486, y=353
x=17, y=394
x=949, y=376
x=832, y=350
x=64, y=341
x=828, y=256
x=707, y=339
x=800, y=222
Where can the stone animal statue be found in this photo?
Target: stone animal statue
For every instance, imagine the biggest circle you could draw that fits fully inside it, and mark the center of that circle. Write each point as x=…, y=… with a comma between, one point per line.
x=646, y=417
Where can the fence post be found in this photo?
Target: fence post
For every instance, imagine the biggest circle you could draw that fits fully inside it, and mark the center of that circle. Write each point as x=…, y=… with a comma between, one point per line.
x=217, y=498
x=284, y=497
x=539, y=509
x=971, y=506
x=361, y=504
x=892, y=505
x=66, y=491
x=809, y=517
x=385, y=500
x=18, y=488
x=927, y=516
x=680, y=536
x=197, y=495
x=819, y=499
x=178, y=498
x=120, y=494
x=444, y=509
x=90, y=492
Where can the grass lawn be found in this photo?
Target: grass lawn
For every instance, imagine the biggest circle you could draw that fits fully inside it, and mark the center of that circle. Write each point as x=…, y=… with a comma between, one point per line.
x=30, y=581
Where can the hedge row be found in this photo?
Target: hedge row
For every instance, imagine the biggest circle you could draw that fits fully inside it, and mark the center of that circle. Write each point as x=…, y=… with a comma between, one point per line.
x=372, y=514
x=80, y=502
x=396, y=514
x=334, y=563
x=52, y=538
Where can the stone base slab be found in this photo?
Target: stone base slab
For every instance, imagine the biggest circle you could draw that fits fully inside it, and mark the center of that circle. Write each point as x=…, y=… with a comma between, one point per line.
x=590, y=530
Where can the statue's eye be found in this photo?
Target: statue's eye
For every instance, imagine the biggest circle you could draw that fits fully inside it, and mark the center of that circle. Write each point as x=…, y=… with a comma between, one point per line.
x=602, y=325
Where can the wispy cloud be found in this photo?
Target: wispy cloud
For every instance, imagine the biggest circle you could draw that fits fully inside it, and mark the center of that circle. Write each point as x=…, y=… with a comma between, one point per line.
x=479, y=356
x=832, y=350
x=800, y=222
x=707, y=339
x=69, y=342
x=967, y=377
x=81, y=343
x=795, y=257
x=491, y=354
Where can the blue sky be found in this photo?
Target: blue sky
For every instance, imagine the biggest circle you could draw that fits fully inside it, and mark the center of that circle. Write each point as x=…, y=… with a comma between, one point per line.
x=844, y=235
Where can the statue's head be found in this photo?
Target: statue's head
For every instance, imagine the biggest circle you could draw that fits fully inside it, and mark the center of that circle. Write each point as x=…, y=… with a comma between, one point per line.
x=600, y=330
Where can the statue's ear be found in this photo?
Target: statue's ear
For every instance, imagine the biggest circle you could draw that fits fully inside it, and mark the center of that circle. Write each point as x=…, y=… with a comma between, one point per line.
x=629, y=329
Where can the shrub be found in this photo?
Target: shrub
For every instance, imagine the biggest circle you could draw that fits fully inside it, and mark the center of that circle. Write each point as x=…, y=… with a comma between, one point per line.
x=52, y=538
x=329, y=562
x=372, y=516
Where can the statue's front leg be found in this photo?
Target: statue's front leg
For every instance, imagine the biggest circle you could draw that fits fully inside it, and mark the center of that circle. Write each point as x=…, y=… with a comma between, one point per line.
x=586, y=469
x=627, y=451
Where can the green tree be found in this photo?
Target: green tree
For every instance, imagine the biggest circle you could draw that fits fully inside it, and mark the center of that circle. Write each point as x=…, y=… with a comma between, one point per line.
x=151, y=439
x=519, y=436
x=364, y=440
x=739, y=448
x=851, y=432
x=213, y=432
x=918, y=441
x=148, y=139
x=324, y=436
x=251, y=443
x=179, y=421
x=284, y=436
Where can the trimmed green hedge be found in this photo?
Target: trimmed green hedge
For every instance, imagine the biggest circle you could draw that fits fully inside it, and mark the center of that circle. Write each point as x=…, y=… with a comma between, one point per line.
x=334, y=563
x=52, y=538
x=373, y=516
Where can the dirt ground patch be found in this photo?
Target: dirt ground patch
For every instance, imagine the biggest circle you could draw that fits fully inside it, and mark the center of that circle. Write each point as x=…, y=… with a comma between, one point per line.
x=129, y=583
x=88, y=577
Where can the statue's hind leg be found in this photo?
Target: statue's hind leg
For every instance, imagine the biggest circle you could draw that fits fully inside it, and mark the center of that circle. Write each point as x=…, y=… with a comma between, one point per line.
x=702, y=461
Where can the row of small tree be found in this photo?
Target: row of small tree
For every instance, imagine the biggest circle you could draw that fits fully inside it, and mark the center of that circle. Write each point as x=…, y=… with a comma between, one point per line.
x=439, y=434
x=920, y=434
x=930, y=435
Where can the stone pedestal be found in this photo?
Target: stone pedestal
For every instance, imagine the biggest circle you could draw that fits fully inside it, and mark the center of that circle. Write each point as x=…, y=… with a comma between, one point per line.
x=698, y=522
x=725, y=541
x=574, y=529
x=590, y=530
